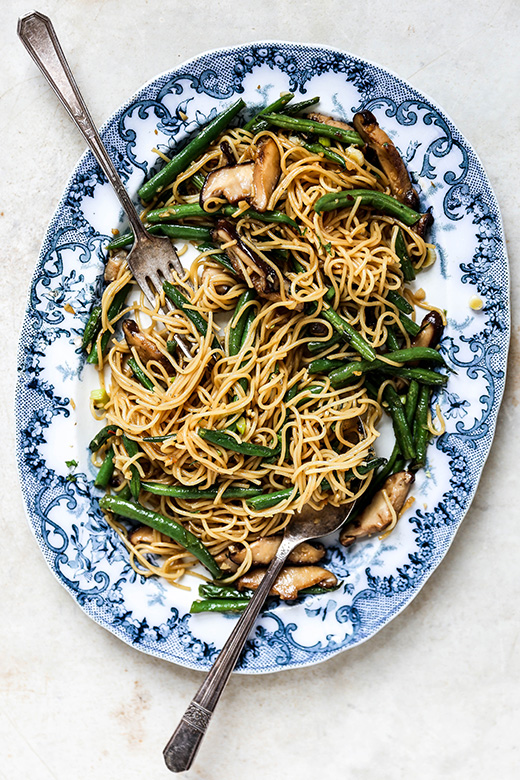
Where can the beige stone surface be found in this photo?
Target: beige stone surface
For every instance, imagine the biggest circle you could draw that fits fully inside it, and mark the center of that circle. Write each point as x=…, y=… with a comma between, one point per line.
x=435, y=694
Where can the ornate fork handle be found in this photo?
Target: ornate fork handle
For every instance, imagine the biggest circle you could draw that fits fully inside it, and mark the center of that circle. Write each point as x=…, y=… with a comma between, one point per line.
x=39, y=38
x=185, y=740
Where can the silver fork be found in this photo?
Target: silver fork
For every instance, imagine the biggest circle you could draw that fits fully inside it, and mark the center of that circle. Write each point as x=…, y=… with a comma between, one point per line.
x=185, y=740
x=151, y=258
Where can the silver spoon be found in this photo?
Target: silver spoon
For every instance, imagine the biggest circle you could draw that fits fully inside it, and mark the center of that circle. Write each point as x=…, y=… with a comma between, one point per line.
x=185, y=740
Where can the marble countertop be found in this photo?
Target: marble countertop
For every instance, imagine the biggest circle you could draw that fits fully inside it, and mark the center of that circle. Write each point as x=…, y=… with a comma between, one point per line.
x=435, y=693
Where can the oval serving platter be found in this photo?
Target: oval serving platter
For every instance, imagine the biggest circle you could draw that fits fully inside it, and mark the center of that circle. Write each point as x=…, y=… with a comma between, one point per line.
x=379, y=577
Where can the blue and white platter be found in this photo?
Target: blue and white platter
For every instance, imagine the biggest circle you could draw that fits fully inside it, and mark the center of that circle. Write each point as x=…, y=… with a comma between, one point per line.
x=380, y=577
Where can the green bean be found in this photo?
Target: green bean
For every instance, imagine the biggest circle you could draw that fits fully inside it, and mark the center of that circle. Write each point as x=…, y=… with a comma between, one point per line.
x=329, y=295
x=128, y=238
x=92, y=327
x=420, y=427
x=228, y=442
x=412, y=397
x=237, y=331
x=296, y=108
x=198, y=180
x=298, y=124
x=238, y=603
x=125, y=494
x=191, y=151
x=275, y=106
x=186, y=232
x=140, y=375
x=102, y=436
x=160, y=438
x=292, y=109
x=164, y=525
x=349, y=333
x=176, y=211
x=220, y=258
x=397, y=300
x=106, y=469
x=186, y=492
x=423, y=375
x=402, y=431
x=219, y=605
x=315, y=347
x=396, y=461
x=251, y=316
x=378, y=200
x=342, y=375
x=313, y=389
x=183, y=304
x=402, y=253
x=135, y=481
x=113, y=310
x=391, y=338
x=185, y=210
x=324, y=366
x=330, y=154
x=268, y=500
x=181, y=232
x=411, y=327
x=212, y=590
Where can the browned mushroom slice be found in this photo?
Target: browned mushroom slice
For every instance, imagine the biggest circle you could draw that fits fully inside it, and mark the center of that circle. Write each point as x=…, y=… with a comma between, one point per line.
x=232, y=182
x=266, y=173
x=248, y=265
x=391, y=161
x=142, y=535
x=225, y=563
x=424, y=224
x=227, y=151
x=113, y=266
x=264, y=549
x=431, y=331
x=144, y=346
x=290, y=581
x=315, y=116
x=377, y=515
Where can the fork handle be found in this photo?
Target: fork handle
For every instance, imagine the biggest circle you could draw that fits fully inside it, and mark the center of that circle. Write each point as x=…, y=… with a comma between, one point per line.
x=39, y=38
x=185, y=740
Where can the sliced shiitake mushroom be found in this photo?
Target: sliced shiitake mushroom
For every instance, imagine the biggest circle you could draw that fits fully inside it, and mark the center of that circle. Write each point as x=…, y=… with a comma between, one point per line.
x=266, y=173
x=290, y=581
x=113, y=266
x=422, y=226
x=231, y=182
x=264, y=549
x=144, y=535
x=144, y=346
x=250, y=266
x=377, y=515
x=391, y=161
x=251, y=181
x=430, y=334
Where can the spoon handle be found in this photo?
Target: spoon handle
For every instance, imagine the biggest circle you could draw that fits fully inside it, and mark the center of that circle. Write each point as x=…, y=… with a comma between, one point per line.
x=185, y=740
x=39, y=38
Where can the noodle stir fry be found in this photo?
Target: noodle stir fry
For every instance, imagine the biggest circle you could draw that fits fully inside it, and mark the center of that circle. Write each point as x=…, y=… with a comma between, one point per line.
x=296, y=313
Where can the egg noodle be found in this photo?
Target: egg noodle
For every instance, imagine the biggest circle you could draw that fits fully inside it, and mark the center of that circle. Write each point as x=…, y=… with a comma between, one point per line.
x=317, y=429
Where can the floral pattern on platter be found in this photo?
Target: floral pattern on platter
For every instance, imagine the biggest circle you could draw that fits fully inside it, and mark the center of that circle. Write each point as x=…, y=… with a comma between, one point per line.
x=379, y=577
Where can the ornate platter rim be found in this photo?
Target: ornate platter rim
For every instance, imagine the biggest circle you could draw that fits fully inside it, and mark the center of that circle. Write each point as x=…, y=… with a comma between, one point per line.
x=309, y=658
